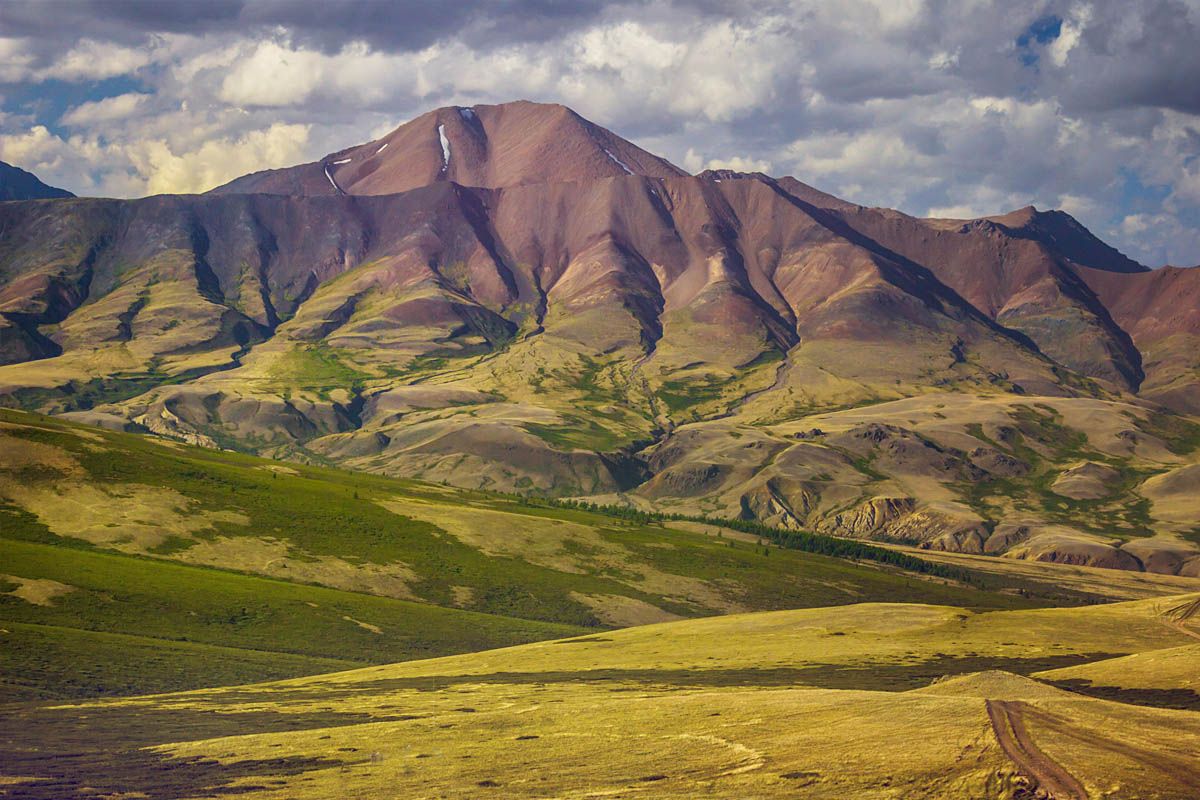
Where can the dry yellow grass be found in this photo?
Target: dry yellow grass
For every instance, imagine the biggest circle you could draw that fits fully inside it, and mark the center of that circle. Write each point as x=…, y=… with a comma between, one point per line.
x=280, y=559
x=563, y=546
x=718, y=707
x=38, y=591
x=1169, y=668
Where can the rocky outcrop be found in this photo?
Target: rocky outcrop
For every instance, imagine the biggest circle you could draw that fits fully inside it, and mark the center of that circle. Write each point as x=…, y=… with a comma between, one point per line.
x=1067, y=546
x=1165, y=556
x=870, y=518
x=779, y=503
x=686, y=480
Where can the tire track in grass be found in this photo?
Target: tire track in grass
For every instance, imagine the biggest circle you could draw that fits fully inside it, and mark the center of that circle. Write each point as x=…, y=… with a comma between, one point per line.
x=1046, y=775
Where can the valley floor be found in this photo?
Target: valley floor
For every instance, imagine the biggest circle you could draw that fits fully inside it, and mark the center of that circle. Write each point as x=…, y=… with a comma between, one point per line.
x=874, y=700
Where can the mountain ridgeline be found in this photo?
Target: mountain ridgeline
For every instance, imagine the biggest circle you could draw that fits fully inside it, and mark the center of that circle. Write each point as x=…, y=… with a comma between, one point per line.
x=511, y=297
x=17, y=184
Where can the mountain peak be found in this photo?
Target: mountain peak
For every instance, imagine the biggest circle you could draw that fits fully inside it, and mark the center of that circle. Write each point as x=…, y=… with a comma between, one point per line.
x=489, y=146
x=1067, y=236
x=17, y=184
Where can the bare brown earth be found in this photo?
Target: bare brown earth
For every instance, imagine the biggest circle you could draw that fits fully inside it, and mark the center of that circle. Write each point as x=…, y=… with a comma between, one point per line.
x=539, y=306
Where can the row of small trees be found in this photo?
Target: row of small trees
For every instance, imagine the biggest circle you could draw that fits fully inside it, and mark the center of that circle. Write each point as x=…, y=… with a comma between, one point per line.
x=805, y=541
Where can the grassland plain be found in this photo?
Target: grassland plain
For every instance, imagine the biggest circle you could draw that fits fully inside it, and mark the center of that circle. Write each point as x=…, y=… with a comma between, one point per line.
x=154, y=551
x=876, y=700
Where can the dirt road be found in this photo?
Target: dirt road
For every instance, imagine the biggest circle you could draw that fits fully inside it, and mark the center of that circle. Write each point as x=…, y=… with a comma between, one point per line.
x=1177, y=618
x=1047, y=776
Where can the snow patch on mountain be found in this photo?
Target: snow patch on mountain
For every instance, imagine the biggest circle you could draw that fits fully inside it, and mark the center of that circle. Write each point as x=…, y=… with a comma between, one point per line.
x=445, y=147
x=618, y=161
x=332, y=182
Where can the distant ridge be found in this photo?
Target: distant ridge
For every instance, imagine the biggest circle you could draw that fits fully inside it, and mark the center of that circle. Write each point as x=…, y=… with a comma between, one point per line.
x=17, y=184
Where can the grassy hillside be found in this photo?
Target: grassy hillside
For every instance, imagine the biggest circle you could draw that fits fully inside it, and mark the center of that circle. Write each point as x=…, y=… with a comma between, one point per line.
x=825, y=703
x=86, y=623
x=192, y=549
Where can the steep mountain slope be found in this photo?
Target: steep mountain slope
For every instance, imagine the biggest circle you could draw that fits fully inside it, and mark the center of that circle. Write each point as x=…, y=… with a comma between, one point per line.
x=1021, y=270
x=1161, y=312
x=17, y=184
x=511, y=297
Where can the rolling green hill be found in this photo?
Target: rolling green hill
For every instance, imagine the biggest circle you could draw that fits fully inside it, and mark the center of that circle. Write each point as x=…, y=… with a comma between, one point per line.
x=125, y=556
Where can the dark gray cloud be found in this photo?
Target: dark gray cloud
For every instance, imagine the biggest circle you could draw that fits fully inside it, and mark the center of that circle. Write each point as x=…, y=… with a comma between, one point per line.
x=327, y=25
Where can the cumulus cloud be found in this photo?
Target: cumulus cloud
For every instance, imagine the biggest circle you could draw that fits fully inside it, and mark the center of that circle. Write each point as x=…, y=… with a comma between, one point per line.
x=16, y=60
x=152, y=166
x=960, y=109
x=92, y=60
x=217, y=161
x=118, y=107
x=273, y=75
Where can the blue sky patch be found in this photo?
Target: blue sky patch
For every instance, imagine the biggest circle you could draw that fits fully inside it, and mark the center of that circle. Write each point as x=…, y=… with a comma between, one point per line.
x=1041, y=31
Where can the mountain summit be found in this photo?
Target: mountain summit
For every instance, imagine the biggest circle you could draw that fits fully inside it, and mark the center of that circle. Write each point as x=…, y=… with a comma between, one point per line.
x=489, y=146
x=17, y=184
x=511, y=297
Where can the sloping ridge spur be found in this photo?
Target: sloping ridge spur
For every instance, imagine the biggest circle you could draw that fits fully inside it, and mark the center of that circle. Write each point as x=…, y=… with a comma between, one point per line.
x=1048, y=778
x=1177, y=617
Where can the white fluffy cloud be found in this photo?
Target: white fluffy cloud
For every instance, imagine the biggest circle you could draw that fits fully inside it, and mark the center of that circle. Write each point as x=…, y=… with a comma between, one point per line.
x=151, y=166
x=217, y=161
x=121, y=106
x=92, y=60
x=273, y=74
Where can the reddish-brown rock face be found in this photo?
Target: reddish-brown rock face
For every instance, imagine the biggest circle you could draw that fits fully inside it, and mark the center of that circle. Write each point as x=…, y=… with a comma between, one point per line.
x=486, y=146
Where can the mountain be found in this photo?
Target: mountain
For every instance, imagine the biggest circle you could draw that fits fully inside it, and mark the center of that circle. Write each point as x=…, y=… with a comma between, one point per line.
x=489, y=146
x=17, y=184
x=511, y=297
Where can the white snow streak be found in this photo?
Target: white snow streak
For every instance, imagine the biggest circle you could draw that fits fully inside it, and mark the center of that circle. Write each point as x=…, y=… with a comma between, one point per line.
x=445, y=147
x=332, y=182
x=343, y=161
x=618, y=161
x=381, y=147
x=466, y=114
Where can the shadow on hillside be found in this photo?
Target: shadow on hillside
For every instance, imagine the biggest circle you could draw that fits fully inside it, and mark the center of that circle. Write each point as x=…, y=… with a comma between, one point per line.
x=1182, y=699
x=57, y=752
x=889, y=677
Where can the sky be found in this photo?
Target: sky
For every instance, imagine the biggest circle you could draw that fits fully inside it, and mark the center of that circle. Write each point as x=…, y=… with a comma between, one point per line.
x=947, y=108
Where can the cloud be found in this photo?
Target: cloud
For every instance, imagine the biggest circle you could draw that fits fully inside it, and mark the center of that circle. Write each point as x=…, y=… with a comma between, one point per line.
x=16, y=60
x=273, y=75
x=740, y=164
x=120, y=106
x=1060, y=49
x=217, y=161
x=153, y=166
x=92, y=60
x=963, y=109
